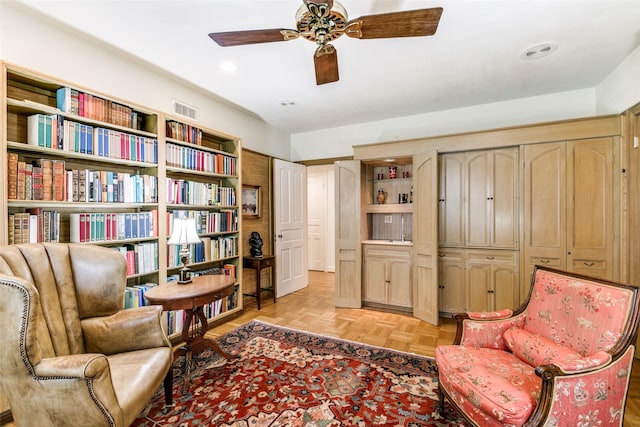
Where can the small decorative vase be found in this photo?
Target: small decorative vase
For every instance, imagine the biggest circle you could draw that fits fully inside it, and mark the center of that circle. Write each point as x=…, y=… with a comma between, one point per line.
x=382, y=196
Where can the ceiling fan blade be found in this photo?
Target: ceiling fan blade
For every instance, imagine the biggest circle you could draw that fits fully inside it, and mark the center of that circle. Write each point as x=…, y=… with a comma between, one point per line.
x=410, y=23
x=325, y=60
x=237, y=38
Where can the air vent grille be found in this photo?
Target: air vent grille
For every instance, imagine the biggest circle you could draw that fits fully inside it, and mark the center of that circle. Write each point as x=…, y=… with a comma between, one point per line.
x=185, y=110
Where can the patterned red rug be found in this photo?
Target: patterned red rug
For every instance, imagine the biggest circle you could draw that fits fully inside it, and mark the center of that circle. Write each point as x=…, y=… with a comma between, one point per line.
x=286, y=377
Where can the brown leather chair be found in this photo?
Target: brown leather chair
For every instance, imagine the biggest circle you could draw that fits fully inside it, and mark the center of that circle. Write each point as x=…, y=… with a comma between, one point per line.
x=70, y=354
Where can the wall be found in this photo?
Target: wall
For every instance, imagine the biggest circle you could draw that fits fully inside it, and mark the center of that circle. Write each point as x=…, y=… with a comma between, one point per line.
x=46, y=46
x=617, y=92
x=256, y=171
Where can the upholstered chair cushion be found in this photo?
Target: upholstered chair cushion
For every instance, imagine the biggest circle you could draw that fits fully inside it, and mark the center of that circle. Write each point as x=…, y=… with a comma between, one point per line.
x=537, y=350
x=485, y=380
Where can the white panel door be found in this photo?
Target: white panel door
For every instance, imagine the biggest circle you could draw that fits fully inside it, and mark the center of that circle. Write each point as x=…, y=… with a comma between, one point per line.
x=290, y=217
x=316, y=198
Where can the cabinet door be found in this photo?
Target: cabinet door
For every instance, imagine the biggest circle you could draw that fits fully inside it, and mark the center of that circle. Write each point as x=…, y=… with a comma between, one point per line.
x=478, y=287
x=348, y=276
x=425, y=238
x=453, y=290
x=504, y=199
x=376, y=279
x=590, y=207
x=544, y=202
x=478, y=203
x=399, y=271
x=504, y=291
x=451, y=200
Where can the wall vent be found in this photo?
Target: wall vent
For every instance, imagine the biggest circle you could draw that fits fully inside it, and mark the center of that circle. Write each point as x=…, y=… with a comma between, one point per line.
x=185, y=110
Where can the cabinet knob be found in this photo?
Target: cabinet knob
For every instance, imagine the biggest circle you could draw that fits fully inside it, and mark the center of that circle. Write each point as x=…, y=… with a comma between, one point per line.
x=544, y=261
x=490, y=257
x=588, y=264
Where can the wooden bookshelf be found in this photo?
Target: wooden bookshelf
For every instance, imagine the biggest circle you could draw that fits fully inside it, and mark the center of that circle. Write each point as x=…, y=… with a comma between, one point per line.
x=133, y=153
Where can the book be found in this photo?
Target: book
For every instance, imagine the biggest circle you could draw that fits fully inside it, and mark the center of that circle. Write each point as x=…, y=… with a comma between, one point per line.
x=12, y=176
x=59, y=178
x=28, y=181
x=36, y=182
x=36, y=130
x=47, y=178
x=21, y=180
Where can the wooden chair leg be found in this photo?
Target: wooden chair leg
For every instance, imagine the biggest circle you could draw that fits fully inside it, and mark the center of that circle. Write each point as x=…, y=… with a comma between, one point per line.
x=168, y=388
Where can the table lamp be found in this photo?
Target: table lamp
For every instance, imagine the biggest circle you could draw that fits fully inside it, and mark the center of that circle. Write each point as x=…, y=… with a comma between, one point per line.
x=184, y=234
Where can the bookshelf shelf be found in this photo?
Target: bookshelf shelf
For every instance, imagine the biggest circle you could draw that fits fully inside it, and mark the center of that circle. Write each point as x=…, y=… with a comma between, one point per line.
x=114, y=160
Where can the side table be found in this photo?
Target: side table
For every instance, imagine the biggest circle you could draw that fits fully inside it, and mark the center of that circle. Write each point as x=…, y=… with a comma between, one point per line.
x=190, y=298
x=258, y=264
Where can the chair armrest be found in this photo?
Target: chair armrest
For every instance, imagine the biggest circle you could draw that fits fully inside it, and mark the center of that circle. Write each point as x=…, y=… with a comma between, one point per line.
x=490, y=315
x=487, y=332
x=86, y=365
x=127, y=330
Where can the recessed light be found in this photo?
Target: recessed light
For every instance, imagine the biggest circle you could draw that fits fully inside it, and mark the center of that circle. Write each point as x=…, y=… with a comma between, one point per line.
x=228, y=66
x=539, y=51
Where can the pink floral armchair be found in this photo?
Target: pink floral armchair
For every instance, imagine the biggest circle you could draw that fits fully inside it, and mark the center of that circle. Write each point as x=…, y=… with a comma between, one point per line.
x=563, y=358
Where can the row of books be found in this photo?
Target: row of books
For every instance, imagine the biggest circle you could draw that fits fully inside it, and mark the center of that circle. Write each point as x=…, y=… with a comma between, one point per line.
x=47, y=179
x=209, y=249
x=206, y=221
x=53, y=131
x=141, y=257
x=35, y=226
x=180, y=191
x=134, y=295
x=93, y=107
x=109, y=226
x=184, y=132
x=198, y=160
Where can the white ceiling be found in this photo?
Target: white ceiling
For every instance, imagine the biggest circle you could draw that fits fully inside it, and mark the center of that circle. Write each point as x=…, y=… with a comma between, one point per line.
x=474, y=57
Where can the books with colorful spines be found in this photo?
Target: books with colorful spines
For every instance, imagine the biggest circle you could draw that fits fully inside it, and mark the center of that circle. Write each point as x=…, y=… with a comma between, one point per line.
x=36, y=130
x=67, y=100
x=76, y=227
x=12, y=176
x=59, y=177
x=22, y=232
x=229, y=270
x=38, y=213
x=21, y=180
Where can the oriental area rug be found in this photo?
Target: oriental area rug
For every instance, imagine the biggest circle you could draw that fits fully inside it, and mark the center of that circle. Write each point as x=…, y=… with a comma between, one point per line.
x=286, y=377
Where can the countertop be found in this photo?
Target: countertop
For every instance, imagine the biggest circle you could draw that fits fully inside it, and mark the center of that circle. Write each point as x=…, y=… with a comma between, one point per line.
x=388, y=242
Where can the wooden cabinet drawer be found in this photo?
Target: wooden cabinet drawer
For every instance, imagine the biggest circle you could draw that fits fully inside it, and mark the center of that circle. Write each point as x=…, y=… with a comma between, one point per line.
x=492, y=257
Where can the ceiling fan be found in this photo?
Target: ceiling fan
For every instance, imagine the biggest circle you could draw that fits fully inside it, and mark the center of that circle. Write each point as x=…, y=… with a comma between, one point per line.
x=323, y=21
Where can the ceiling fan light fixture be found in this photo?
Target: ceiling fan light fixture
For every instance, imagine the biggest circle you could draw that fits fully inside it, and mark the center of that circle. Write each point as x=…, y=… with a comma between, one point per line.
x=538, y=51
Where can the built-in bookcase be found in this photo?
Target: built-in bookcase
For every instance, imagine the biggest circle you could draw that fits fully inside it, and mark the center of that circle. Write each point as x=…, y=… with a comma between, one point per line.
x=82, y=166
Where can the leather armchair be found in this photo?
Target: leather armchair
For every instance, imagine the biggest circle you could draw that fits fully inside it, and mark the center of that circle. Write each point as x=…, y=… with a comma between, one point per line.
x=70, y=354
x=563, y=358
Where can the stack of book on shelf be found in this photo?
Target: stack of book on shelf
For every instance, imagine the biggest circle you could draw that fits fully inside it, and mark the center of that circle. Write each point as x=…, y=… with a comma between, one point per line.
x=184, y=132
x=134, y=295
x=93, y=107
x=141, y=257
x=49, y=180
x=180, y=191
x=108, y=226
x=34, y=226
x=54, y=132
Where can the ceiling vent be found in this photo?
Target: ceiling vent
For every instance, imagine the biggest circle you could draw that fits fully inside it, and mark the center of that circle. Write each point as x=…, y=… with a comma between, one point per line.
x=185, y=110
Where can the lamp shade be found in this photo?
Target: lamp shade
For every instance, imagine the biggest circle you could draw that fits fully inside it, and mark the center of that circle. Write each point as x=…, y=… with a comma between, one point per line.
x=184, y=232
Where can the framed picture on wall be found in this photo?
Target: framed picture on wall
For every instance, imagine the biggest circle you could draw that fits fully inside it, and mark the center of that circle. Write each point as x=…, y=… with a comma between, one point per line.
x=251, y=200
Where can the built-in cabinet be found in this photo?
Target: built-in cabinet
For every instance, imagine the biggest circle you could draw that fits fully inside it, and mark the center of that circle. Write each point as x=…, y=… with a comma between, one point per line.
x=497, y=202
x=387, y=275
x=569, y=220
x=478, y=230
